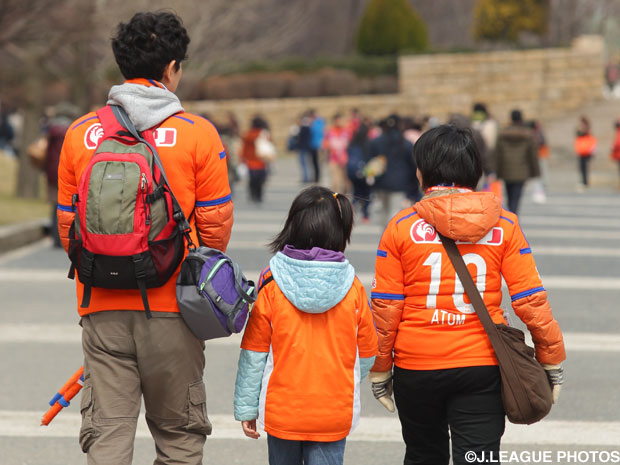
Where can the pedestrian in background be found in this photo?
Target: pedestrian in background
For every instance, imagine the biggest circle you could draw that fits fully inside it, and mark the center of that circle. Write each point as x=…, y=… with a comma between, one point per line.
x=257, y=165
x=317, y=133
x=516, y=158
x=615, y=149
x=64, y=114
x=304, y=146
x=336, y=143
x=446, y=381
x=310, y=339
x=399, y=174
x=358, y=154
x=585, y=145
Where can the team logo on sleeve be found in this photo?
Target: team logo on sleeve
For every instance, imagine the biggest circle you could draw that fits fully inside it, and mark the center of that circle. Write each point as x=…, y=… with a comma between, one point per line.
x=165, y=137
x=92, y=136
x=423, y=233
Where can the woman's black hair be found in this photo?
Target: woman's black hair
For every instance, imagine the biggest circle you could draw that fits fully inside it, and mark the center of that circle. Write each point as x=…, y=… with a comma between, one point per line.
x=148, y=43
x=317, y=218
x=448, y=155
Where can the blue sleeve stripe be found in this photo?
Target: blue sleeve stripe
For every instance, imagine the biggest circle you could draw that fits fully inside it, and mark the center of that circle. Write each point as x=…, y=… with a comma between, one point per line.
x=65, y=208
x=527, y=293
x=405, y=217
x=82, y=122
x=222, y=154
x=211, y=203
x=507, y=219
x=382, y=295
x=184, y=119
x=381, y=253
x=525, y=251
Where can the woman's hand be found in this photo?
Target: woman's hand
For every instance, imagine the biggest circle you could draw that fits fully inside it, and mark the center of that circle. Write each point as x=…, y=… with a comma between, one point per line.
x=382, y=388
x=555, y=373
x=249, y=429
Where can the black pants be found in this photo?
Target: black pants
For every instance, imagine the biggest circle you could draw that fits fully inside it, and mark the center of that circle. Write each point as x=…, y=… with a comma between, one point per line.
x=314, y=157
x=514, y=191
x=257, y=179
x=583, y=169
x=465, y=400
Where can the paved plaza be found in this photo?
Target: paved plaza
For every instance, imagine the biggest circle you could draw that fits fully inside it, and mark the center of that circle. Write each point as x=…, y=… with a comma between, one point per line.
x=576, y=242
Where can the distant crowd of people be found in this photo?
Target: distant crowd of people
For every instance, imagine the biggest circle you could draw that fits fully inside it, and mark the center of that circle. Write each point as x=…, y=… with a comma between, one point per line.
x=371, y=159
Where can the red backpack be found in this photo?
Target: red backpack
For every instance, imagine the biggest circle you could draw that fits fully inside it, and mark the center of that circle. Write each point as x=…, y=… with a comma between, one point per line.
x=128, y=229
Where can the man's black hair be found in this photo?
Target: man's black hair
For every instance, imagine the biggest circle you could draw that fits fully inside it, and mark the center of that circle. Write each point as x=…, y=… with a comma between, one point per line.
x=144, y=46
x=317, y=218
x=448, y=155
x=516, y=116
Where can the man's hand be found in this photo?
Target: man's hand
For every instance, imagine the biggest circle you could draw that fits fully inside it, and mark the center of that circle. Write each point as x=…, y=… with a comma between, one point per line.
x=382, y=388
x=555, y=373
x=249, y=429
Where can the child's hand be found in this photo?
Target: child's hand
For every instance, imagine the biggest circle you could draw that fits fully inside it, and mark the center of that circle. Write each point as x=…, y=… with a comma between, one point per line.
x=249, y=429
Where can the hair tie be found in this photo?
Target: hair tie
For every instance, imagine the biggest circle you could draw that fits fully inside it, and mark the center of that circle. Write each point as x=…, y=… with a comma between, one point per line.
x=335, y=194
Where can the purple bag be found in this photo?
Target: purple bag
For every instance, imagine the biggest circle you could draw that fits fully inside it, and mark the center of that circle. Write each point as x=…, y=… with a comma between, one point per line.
x=213, y=295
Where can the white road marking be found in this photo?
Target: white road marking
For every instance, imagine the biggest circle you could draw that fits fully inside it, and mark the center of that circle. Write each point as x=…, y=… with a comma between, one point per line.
x=16, y=423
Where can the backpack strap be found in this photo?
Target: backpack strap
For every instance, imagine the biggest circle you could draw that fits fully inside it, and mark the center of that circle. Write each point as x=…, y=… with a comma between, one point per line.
x=138, y=265
x=109, y=123
x=265, y=282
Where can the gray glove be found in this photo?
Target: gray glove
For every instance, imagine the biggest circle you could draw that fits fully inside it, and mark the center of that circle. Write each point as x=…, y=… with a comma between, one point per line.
x=382, y=388
x=555, y=374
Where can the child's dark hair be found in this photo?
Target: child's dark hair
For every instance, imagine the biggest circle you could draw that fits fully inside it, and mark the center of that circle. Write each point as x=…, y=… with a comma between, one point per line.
x=144, y=46
x=318, y=217
x=448, y=155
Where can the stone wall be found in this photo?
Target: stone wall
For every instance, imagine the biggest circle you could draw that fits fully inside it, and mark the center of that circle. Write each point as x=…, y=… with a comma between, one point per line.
x=543, y=83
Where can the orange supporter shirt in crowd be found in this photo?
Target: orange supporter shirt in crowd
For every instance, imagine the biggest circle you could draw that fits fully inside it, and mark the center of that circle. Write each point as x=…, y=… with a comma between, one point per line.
x=421, y=310
x=195, y=163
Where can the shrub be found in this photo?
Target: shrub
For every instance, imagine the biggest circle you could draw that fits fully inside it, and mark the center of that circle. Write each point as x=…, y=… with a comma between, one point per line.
x=389, y=27
x=506, y=20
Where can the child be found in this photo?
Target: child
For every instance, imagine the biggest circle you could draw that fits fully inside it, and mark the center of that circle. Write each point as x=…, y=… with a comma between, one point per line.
x=310, y=339
x=585, y=145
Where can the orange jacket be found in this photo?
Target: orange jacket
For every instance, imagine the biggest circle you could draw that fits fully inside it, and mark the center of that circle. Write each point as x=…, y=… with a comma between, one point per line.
x=423, y=317
x=194, y=159
x=248, y=150
x=585, y=145
x=310, y=388
x=615, y=150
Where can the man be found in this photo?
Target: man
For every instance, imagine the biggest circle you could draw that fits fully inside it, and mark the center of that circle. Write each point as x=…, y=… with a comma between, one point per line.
x=516, y=158
x=127, y=356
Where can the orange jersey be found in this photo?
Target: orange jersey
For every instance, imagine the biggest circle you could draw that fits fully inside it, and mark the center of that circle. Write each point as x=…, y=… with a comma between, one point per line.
x=195, y=163
x=422, y=312
x=311, y=380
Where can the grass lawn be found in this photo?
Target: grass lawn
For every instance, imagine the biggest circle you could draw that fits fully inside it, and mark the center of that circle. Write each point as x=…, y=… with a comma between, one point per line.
x=12, y=209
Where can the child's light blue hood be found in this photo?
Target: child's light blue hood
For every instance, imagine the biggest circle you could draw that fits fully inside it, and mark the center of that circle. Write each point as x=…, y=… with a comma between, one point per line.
x=312, y=286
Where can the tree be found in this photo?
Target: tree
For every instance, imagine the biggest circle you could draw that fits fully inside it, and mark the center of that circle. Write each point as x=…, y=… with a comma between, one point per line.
x=390, y=26
x=505, y=20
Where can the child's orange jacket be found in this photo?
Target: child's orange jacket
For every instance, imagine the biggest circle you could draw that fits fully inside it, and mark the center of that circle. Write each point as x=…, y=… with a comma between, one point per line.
x=309, y=342
x=424, y=319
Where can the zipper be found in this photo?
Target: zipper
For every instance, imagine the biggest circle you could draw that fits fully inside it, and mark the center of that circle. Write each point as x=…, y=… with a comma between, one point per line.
x=143, y=187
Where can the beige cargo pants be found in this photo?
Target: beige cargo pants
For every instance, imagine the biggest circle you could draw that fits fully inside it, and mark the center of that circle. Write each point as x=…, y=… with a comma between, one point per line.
x=126, y=357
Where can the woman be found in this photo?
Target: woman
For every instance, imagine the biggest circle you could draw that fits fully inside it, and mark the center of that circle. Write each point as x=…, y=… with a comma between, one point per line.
x=585, y=145
x=257, y=165
x=445, y=372
x=615, y=149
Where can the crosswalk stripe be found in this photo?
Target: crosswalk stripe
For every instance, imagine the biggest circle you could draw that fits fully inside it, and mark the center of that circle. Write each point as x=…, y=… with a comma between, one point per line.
x=19, y=424
x=72, y=334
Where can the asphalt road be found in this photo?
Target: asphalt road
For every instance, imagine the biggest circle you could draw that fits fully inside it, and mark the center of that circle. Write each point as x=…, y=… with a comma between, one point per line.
x=576, y=242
